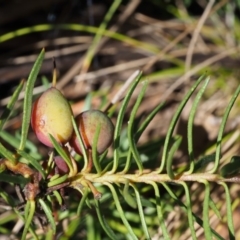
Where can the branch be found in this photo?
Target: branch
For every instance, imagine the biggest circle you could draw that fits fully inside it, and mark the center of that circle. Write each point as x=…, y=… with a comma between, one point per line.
x=152, y=177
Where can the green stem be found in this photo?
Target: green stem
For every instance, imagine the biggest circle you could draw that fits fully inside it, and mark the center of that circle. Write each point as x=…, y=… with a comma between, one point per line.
x=151, y=177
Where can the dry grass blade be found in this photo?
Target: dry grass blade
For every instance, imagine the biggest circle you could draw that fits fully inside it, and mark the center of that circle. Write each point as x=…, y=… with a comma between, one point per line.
x=197, y=68
x=196, y=34
x=132, y=5
x=172, y=44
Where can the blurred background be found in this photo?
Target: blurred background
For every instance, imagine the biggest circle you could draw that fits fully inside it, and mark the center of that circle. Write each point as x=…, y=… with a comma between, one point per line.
x=172, y=42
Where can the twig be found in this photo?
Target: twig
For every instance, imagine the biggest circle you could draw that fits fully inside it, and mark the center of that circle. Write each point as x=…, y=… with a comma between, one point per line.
x=196, y=34
x=76, y=67
x=19, y=193
x=155, y=177
x=171, y=45
x=122, y=90
x=113, y=69
x=197, y=68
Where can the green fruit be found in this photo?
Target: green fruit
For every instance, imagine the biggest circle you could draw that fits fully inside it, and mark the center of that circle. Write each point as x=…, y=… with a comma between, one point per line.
x=51, y=114
x=88, y=123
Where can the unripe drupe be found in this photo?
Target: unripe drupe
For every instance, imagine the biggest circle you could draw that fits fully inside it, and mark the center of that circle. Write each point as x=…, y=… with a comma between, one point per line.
x=88, y=123
x=51, y=114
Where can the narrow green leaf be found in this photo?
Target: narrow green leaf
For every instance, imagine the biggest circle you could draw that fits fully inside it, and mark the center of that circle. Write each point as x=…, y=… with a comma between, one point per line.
x=99, y=33
x=8, y=198
x=127, y=162
x=9, y=138
x=14, y=141
x=8, y=110
x=33, y=162
x=103, y=158
x=206, y=225
x=30, y=146
x=26, y=209
x=203, y=162
x=87, y=102
x=49, y=235
x=20, y=216
x=45, y=83
x=231, y=168
x=103, y=222
x=196, y=218
x=95, y=156
x=160, y=211
x=121, y=212
x=147, y=203
x=229, y=212
x=6, y=177
x=174, y=122
x=190, y=125
x=54, y=177
x=49, y=199
x=7, y=154
x=118, y=126
x=221, y=129
x=30, y=210
x=189, y=211
x=147, y=120
x=80, y=140
x=50, y=164
x=141, y=213
x=27, y=105
x=2, y=166
x=90, y=227
x=72, y=228
x=57, y=181
x=213, y=206
x=79, y=28
x=9, y=216
x=48, y=213
x=131, y=139
x=61, y=152
x=83, y=200
x=58, y=197
x=127, y=196
x=174, y=148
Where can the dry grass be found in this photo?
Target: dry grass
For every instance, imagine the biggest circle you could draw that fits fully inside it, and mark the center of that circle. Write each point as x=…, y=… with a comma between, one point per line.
x=185, y=47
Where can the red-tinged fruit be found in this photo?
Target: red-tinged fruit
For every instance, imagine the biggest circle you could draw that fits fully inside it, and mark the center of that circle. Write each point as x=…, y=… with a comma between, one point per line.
x=51, y=114
x=61, y=165
x=88, y=123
